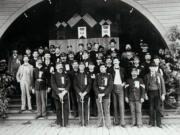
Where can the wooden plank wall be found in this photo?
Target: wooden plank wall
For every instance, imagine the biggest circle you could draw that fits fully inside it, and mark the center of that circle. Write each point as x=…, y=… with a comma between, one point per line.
x=8, y=8
x=166, y=11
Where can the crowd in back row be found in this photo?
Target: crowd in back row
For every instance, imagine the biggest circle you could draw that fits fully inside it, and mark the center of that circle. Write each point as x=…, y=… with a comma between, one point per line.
x=99, y=76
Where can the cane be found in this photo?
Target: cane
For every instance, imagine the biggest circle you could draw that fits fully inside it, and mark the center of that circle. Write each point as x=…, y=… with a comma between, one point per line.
x=100, y=101
x=62, y=106
x=82, y=105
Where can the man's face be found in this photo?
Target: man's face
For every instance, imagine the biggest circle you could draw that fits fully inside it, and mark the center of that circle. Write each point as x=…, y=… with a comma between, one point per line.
x=108, y=61
x=102, y=69
x=26, y=59
x=81, y=48
x=134, y=73
x=91, y=67
x=96, y=46
x=69, y=48
x=136, y=61
x=47, y=56
x=28, y=51
x=156, y=61
x=35, y=54
x=85, y=56
x=153, y=69
x=59, y=68
x=40, y=50
x=75, y=65
x=71, y=57
x=15, y=53
x=81, y=67
x=57, y=51
x=63, y=58
x=112, y=45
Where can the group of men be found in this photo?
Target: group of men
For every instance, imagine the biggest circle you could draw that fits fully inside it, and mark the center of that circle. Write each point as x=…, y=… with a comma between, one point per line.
x=89, y=81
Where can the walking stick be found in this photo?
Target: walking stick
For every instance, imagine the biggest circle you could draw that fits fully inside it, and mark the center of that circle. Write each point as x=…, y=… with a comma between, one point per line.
x=102, y=111
x=62, y=106
x=82, y=105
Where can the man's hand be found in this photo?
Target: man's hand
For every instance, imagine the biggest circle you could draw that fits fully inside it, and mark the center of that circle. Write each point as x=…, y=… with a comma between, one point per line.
x=33, y=91
x=84, y=94
x=100, y=96
x=142, y=100
x=146, y=97
x=48, y=89
x=126, y=99
x=163, y=97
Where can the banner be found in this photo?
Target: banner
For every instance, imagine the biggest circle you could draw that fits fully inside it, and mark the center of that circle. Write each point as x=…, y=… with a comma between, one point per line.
x=106, y=31
x=82, y=33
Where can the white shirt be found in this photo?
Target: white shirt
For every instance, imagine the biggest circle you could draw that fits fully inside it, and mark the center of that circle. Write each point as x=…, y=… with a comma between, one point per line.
x=117, y=77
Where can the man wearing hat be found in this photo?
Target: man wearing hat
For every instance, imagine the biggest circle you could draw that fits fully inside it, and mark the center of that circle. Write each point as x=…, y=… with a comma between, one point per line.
x=112, y=45
x=134, y=95
x=56, y=56
x=82, y=85
x=118, y=92
x=14, y=62
x=79, y=54
x=103, y=85
x=60, y=83
x=34, y=59
x=41, y=87
x=155, y=88
x=67, y=66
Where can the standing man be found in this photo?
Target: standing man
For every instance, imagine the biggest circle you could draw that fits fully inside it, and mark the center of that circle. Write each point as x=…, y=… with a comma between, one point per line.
x=118, y=92
x=156, y=91
x=103, y=85
x=41, y=86
x=60, y=83
x=25, y=77
x=134, y=95
x=82, y=85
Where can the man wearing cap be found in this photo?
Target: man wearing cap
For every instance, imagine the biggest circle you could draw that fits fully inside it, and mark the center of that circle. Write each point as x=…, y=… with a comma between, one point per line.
x=73, y=99
x=79, y=54
x=94, y=53
x=60, y=83
x=56, y=57
x=103, y=85
x=112, y=49
x=92, y=74
x=134, y=95
x=40, y=87
x=65, y=63
x=118, y=92
x=14, y=62
x=155, y=88
x=25, y=77
x=82, y=85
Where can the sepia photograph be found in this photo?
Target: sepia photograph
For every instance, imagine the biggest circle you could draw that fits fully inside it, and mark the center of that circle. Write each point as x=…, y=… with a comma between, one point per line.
x=89, y=67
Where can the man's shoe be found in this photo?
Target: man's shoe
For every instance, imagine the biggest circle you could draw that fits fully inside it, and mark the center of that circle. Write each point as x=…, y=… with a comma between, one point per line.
x=38, y=116
x=20, y=111
x=123, y=125
x=160, y=126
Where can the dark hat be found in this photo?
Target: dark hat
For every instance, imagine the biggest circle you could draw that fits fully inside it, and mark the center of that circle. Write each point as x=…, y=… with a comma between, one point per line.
x=134, y=69
x=112, y=41
x=63, y=54
x=91, y=63
x=40, y=47
x=152, y=64
x=102, y=64
x=156, y=57
x=81, y=63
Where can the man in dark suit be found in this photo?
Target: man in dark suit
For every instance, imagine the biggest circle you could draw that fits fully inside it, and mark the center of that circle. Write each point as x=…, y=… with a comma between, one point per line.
x=118, y=92
x=155, y=88
x=60, y=83
x=103, y=85
x=82, y=85
x=40, y=87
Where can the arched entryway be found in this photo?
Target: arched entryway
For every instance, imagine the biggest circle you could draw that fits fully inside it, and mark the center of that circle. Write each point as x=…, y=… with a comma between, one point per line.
x=132, y=3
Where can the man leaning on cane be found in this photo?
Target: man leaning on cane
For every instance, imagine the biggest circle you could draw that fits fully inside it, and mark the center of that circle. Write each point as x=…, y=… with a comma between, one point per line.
x=103, y=85
x=60, y=86
x=82, y=86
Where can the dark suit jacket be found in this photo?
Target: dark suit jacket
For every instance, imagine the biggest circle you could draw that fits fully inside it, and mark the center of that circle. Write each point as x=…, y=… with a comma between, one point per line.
x=56, y=82
x=79, y=84
x=160, y=83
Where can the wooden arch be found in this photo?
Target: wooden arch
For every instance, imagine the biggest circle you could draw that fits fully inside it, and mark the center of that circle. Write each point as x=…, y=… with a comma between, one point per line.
x=132, y=3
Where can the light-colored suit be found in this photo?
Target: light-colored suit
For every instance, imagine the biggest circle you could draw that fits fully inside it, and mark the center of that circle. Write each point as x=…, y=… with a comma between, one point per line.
x=25, y=77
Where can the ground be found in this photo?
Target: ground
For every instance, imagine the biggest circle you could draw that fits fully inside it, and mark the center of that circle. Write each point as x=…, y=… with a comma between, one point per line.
x=47, y=127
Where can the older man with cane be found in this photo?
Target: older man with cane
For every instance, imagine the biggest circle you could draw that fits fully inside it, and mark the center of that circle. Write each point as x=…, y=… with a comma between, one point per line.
x=60, y=87
x=82, y=86
x=103, y=86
